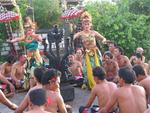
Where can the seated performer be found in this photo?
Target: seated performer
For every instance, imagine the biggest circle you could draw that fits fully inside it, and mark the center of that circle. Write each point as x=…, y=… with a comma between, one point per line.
x=37, y=98
x=75, y=68
x=110, y=66
x=50, y=82
x=103, y=90
x=92, y=54
x=18, y=70
x=130, y=98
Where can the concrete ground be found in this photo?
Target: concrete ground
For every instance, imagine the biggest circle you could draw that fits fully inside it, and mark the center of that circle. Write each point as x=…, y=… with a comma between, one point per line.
x=81, y=97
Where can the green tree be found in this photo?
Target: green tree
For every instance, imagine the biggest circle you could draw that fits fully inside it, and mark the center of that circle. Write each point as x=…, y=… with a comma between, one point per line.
x=47, y=12
x=117, y=23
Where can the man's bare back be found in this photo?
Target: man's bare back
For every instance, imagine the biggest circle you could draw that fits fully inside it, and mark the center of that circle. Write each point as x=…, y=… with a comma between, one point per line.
x=103, y=89
x=104, y=92
x=54, y=100
x=146, y=84
x=131, y=99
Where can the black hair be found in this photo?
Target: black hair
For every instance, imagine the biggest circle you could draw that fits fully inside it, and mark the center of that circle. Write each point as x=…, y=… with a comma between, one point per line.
x=111, y=42
x=127, y=74
x=139, y=70
x=50, y=74
x=38, y=73
x=11, y=59
x=109, y=54
x=138, y=55
x=120, y=50
x=38, y=97
x=99, y=72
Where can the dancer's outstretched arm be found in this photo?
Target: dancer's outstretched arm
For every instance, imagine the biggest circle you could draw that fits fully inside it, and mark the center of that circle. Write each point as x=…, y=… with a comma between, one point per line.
x=17, y=39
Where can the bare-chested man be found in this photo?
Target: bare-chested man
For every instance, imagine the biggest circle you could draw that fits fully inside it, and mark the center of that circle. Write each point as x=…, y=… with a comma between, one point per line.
x=79, y=55
x=103, y=89
x=6, y=82
x=50, y=82
x=37, y=99
x=141, y=51
x=18, y=70
x=75, y=67
x=143, y=79
x=130, y=98
x=38, y=73
x=7, y=66
x=110, y=66
x=139, y=61
x=122, y=60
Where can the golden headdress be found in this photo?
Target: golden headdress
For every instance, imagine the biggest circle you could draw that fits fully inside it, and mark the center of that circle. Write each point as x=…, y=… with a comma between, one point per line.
x=86, y=17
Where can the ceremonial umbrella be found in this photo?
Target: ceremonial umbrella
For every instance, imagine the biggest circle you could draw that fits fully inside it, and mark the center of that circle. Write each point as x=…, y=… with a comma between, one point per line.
x=7, y=16
x=71, y=13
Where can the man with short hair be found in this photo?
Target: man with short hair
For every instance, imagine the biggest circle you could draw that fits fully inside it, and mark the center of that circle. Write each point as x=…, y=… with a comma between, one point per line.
x=75, y=68
x=7, y=66
x=18, y=70
x=130, y=98
x=37, y=98
x=138, y=60
x=50, y=82
x=38, y=74
x=121, y=59
x=111, y=66
x=103, y=90
x=143, y=79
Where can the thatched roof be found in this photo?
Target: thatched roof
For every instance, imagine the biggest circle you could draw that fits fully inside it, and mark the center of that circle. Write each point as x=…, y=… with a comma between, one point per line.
x=9, y=4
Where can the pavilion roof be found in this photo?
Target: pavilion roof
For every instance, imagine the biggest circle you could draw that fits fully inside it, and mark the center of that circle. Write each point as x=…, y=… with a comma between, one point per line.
x=9, y=4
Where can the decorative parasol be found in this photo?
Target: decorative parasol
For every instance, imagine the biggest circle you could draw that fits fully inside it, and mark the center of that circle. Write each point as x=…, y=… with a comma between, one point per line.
x=71, y=13
x=8, y=16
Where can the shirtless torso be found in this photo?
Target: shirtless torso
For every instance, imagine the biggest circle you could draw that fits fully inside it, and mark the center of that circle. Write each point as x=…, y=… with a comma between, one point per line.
x=6, y=69
x=18, y=71
x=146, y=84
x=103, y=92
x=54, y=102
x=130, y=95
x=111, y=69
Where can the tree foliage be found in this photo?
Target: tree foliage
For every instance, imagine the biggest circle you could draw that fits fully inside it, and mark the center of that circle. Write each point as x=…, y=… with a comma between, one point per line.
x=118, y=24
x=47, y=12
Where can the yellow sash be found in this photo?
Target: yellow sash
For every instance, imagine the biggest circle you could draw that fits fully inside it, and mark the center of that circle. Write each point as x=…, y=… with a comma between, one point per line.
x=90, y=77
